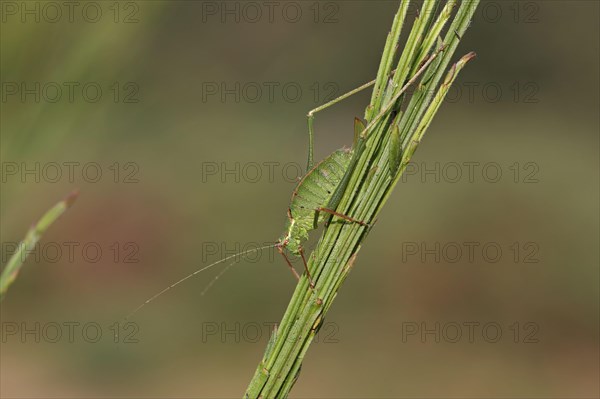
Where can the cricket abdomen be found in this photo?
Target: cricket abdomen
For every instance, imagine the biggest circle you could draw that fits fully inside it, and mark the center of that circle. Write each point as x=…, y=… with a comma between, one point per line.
x=317, y=187
x=313, y=192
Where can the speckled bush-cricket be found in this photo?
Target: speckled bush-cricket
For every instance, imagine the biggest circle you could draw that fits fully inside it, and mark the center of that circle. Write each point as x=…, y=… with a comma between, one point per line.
x=319, y=192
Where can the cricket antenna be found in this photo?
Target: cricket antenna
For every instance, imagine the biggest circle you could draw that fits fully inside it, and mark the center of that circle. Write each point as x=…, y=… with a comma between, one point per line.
x=243, y=253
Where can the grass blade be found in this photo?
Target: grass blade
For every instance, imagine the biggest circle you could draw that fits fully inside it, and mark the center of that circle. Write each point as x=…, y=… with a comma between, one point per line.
x=13, y=267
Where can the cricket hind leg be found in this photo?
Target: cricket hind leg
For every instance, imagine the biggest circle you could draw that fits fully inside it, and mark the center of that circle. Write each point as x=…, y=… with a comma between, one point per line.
x=310, y=280
x=341, y=215
x=311, y=116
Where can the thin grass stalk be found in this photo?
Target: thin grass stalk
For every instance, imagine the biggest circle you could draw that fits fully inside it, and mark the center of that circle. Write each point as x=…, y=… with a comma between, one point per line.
x=15, y=263
x=369, y=187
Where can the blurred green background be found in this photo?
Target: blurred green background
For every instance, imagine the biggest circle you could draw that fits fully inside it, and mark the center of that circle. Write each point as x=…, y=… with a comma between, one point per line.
x=168, y=138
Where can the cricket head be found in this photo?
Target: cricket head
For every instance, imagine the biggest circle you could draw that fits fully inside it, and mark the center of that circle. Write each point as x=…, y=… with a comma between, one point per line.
x=290, y=238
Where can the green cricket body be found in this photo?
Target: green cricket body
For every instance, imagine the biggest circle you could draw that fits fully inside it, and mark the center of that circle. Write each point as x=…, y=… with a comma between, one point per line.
x=313, y=192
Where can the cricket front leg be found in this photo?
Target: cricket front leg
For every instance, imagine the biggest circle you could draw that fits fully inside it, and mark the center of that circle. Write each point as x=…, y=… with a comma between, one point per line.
x=294, y=272
x=287, y=260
